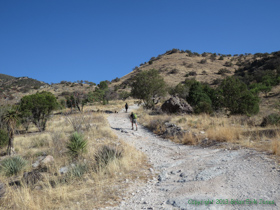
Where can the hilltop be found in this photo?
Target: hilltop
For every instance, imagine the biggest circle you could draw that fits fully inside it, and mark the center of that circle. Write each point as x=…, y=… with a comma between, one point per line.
x=12, y=89
x=175, y=66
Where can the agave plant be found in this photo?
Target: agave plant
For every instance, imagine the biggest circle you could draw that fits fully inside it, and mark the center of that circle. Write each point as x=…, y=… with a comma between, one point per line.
x=77, y=145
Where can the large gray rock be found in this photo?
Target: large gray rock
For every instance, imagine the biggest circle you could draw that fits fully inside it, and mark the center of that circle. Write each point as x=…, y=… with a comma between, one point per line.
x=176, y=105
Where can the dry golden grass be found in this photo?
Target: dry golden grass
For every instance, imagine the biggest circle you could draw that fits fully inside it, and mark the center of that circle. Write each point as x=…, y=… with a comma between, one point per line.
x=236, y=131
x=98, y=187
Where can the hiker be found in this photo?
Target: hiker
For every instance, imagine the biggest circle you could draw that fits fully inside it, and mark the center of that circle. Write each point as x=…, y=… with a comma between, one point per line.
x=126, y=107
x=133, y=118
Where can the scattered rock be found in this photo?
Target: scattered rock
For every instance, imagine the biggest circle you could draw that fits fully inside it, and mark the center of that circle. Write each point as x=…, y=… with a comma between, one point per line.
x=183, y=175
x=32, y=177
x=63, y=170
x=47, y=160
x=172, y=130
x=163, y=176
x=176, y=105
x=43, y=160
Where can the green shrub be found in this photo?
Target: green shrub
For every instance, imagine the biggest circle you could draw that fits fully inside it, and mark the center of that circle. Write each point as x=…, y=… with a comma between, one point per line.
x=12, y=165
x=223, y=71
x=192, y=73
x=107, y=154
x=76, y=145
x=203, y=61
x=237, y=98
x=4, y=138
x=272, y=119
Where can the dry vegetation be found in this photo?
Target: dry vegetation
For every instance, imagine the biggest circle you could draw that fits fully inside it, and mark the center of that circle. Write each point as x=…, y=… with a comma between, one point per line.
x=218, y=131
x=87, y=184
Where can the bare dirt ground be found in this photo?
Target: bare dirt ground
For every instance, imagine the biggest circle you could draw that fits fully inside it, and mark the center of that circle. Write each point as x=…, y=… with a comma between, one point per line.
x=188, y=177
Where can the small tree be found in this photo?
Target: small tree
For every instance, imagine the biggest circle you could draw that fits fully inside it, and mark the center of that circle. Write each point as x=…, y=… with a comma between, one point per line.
x=236, y=98
x=40, y=106
x=149, y=86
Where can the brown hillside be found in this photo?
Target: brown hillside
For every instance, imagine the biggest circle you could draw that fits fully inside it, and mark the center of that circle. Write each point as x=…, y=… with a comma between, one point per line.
x=174, y=67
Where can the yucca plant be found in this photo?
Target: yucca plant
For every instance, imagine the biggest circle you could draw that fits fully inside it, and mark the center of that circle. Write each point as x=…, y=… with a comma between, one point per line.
x=77, y=145
x=12, y=165
x=106, y=154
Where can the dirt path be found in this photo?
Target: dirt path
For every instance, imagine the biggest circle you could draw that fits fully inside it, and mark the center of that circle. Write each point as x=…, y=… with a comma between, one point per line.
x=184, y=175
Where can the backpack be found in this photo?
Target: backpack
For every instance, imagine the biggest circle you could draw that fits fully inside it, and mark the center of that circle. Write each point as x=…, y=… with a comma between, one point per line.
x=134, y=116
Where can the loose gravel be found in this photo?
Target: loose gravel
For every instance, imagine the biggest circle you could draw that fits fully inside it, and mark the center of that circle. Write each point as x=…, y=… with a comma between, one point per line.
x=189, y=177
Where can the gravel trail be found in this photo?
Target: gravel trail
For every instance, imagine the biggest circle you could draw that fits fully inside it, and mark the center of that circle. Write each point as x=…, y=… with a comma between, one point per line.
x=187, y=177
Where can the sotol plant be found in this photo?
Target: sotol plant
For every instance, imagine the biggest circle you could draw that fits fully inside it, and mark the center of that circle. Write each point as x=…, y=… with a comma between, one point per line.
x=77, y=145
x=12, y=165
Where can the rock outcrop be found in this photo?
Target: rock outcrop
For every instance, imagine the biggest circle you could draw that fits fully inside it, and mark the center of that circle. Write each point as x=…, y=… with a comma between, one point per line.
x=176, y=105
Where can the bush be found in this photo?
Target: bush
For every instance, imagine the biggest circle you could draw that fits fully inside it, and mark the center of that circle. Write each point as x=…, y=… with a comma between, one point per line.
x=272, y=119
x=192, y=73
x=107, y=154
x=228, y=64
x=223, y=71
x=76, y=145
x=203, y=61
x=12, y=165
x=149, y=86
x=4, y=138
x=237, y=98
x=39, y=106
x=174, y=71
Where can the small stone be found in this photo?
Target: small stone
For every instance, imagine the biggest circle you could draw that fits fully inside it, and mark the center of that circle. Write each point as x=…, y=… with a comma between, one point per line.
x=63, y=170
x=183, y=175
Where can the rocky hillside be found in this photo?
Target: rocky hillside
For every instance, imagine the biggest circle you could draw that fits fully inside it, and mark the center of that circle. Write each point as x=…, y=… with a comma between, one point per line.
x=177, y=65
x=12, y=89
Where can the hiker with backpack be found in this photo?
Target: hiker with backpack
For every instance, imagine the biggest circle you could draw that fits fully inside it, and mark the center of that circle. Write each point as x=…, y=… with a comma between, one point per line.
x=133, y=118
x=126, y=107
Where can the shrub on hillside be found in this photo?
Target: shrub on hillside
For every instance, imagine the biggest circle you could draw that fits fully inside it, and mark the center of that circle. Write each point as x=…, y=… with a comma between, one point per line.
x=107, y=154
x=76, y=145
x=192, y=73
x=40, y=107
x=203, y=61
x=223, y=71
x=12, y=165
x=236, y=97
x=149, y=86
x=272, y=119
x=174, y=71
x=4, y=138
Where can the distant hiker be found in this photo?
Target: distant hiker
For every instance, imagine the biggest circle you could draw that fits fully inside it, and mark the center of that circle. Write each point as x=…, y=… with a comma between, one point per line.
x=126, y=107
x=133, y=118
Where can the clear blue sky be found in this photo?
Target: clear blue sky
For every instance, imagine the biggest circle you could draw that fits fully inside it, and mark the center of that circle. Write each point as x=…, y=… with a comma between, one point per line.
x=95, y=40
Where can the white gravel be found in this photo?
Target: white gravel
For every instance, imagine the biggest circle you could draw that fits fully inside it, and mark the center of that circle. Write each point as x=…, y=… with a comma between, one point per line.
x=185, y=174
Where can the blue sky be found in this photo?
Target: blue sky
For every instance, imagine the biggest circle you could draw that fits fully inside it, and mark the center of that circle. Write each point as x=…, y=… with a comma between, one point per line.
x=95, y=40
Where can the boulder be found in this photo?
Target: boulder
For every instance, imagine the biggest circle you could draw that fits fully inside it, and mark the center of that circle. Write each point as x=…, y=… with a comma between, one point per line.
x=48, y=159
x=43, y=161
x=172, y=130
x=176, y=105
